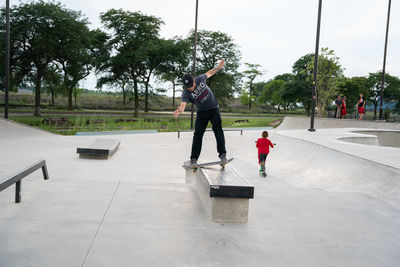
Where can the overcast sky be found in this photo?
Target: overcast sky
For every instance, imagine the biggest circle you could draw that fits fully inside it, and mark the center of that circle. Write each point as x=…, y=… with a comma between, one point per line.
x=275, y=33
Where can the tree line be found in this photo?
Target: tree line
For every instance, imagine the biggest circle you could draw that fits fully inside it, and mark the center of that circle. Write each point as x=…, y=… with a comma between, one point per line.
x=53, y=49
x=289, y=90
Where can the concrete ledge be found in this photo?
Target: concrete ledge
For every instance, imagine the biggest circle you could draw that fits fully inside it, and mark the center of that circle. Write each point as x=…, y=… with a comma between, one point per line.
x=225, y=193
x=100, y=148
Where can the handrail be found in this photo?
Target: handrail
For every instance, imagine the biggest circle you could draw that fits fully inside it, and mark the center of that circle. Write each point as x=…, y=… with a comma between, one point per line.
x=16, y=178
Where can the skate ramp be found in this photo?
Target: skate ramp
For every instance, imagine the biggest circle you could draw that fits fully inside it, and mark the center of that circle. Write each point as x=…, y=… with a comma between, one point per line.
x=308, y=164
x=384, y=138
x=297, y=123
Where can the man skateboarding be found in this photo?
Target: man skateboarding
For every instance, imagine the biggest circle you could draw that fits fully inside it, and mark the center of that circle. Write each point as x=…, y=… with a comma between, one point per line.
x=195, y=90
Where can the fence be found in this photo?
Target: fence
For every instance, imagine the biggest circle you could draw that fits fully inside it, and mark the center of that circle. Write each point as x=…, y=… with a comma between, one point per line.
x=368, y=115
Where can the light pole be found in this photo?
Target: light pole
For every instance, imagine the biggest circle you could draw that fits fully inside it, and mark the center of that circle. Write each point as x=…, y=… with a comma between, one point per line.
x=314, y=86
x=7, y=63
x=384, y=62
x=194, y=58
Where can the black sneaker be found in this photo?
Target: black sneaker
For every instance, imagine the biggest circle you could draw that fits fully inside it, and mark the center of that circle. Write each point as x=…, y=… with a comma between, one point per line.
x=223, y=158
x=193, y=163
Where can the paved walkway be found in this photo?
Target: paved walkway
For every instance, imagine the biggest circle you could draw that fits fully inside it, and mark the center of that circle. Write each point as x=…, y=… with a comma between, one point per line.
x=136, y=210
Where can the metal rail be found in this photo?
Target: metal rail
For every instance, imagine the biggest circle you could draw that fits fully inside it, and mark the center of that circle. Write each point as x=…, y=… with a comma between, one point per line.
x=16, y=178
x=209, y=130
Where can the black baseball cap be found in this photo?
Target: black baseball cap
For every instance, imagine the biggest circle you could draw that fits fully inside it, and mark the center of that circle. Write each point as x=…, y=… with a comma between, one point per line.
x=187, y=80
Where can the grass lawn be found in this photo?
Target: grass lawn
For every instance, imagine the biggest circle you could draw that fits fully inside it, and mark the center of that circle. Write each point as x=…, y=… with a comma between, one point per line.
x=70, y=124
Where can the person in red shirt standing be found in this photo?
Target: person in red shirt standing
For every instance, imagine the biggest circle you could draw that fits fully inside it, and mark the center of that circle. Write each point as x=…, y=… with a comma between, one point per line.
x=344, y=111
x=361, y=106
x=263, y=145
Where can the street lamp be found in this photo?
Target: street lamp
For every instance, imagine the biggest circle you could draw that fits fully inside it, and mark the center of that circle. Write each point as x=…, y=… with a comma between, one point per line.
x=384, y=62
x=7, y=63
x=194, y=58
x=314, y=86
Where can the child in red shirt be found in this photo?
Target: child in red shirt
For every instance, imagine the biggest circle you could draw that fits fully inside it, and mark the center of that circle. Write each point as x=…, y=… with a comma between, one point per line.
x=263, y=145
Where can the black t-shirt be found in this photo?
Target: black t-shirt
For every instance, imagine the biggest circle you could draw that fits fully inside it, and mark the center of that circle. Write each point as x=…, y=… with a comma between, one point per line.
x=361, y=101
x=338, y=102
x=202, y=96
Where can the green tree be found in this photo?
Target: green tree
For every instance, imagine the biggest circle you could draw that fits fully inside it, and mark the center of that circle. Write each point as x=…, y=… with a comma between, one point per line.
x=115, y=79
x=173, y=69
x=158, y=52
x=130, y=32
x=76, y=92
x=272, y=93
x=302, y=83
x=211, y=48
x=288, y=93
x=246, y=98
x=392, y=85
x=329, y=73
x=35, y=41
x=258, y=88
x=53, y=82
x=13, y=87
x=44, y=33
x=78, y=49
x=251, y=73
x=352, y=87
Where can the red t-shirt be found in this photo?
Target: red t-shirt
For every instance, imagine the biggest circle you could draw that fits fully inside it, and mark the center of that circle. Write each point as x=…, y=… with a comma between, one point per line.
x=263, y=145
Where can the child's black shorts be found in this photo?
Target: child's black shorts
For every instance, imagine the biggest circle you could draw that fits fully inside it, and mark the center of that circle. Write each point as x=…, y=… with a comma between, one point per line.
x=262, y=157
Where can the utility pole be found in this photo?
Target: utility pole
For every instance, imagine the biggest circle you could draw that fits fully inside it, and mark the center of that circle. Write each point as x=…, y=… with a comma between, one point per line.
x=7, y=63
x=384, y=63
x=194, y=58
x=314, y=86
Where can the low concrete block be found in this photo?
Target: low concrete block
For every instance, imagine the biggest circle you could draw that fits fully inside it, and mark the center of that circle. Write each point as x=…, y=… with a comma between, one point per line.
x=100, y=148
x=225, y=193
x=190, y=177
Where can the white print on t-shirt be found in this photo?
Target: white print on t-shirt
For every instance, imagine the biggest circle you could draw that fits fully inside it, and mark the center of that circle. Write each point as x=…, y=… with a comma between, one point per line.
x=199, y=91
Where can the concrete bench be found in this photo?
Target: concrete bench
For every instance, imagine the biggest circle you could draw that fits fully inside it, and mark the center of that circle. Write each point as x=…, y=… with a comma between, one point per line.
x=100, y=148
x=225, y=193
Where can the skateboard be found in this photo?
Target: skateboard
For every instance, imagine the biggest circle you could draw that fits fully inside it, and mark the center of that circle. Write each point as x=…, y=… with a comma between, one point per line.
x=207, y=164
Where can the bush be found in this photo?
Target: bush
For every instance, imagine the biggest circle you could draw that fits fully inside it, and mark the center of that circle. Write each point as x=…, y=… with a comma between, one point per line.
x=386, y=114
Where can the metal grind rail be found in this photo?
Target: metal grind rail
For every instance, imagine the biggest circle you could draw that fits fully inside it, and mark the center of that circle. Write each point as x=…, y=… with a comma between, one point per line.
x=17, y=178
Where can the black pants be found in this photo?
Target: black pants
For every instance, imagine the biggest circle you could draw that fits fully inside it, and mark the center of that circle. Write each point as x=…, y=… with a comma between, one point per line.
x=262, y=158
x=338, y=113
x=202, y=119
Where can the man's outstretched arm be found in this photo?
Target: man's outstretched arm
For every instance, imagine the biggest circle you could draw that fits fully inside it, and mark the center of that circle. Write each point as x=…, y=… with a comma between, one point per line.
x=215, y=70
x=180, y=109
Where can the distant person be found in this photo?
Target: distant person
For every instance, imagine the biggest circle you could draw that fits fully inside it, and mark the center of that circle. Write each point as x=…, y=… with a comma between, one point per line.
x=195, y=90
x=344, y=110
x=338, y=103
x=361, y=106
x=263, y=145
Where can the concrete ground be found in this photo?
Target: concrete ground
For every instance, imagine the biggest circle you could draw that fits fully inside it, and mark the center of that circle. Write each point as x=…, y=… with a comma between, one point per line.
x=319, y=206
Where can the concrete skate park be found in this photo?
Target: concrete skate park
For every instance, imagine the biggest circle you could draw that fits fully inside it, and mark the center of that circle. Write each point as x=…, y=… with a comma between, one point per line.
x=331, y=198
